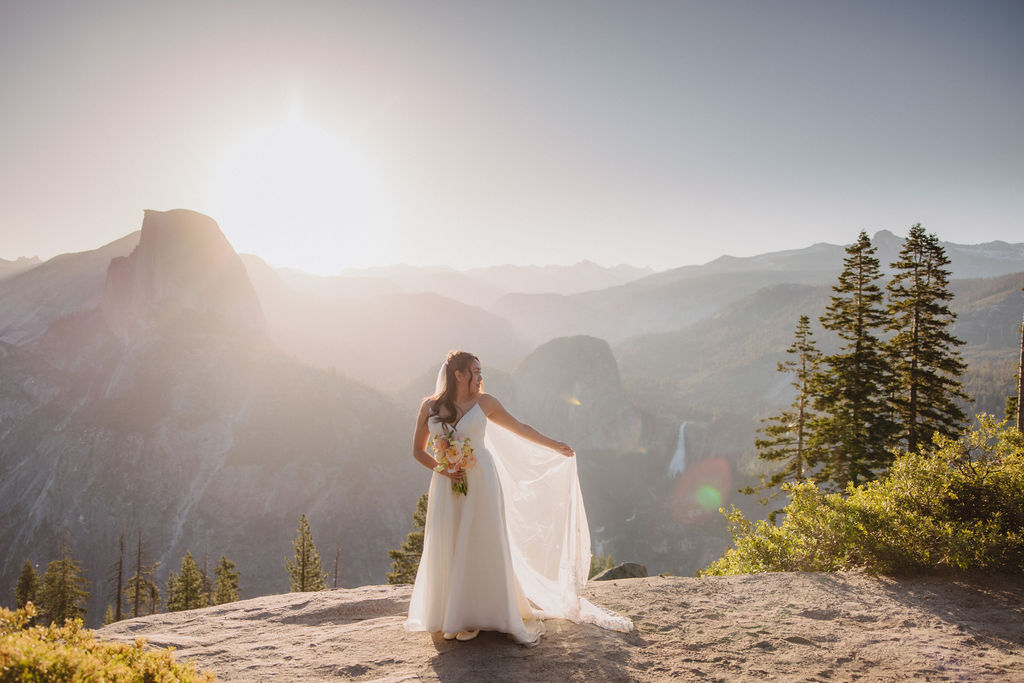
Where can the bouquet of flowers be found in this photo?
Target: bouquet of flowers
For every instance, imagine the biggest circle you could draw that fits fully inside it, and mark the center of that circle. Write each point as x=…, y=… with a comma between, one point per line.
x=453, y=455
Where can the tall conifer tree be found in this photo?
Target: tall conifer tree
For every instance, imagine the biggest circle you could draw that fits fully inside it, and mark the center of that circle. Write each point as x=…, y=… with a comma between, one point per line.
x=405, y=561
x=855, y=427
x=227, y=589
x=185, y=591
x=27, y=588
x=305, y=572
x=62, y=593
x=337, y=561
x=924, y=354
x=208, y=586
x=785, y=436
x=141, y=590
x=118, y=581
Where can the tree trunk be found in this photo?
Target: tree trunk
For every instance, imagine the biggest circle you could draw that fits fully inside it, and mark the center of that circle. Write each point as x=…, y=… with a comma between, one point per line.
x=138, y=576
x=118, y=615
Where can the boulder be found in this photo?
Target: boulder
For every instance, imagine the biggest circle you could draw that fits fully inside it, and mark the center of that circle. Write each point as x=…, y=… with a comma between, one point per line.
x=626, y=570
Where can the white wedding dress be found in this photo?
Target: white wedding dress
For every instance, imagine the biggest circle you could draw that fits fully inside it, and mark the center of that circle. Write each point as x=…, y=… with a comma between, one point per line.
x=514, y=551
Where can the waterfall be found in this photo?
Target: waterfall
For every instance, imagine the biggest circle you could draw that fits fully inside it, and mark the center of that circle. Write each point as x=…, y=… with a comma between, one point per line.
x=678, y=464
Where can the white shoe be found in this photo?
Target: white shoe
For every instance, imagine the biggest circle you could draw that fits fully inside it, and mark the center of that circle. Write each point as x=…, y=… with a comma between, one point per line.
x=468, y=634
x=449, y=636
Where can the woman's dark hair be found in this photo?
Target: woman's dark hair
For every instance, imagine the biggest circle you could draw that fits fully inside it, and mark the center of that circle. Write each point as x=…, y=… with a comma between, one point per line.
x=444, y=402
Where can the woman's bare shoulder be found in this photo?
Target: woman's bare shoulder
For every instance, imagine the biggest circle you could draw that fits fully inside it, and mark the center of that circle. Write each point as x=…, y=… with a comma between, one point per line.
x=488, y=402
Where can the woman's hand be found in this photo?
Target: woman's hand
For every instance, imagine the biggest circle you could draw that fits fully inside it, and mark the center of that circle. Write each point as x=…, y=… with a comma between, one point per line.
x=454, y=476
x=565, y=449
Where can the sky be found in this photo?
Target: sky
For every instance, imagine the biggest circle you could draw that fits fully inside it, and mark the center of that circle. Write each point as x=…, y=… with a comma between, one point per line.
x=332, y=135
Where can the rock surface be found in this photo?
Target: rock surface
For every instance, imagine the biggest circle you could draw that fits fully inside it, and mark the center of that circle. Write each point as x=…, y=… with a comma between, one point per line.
x=571, y=386
x=182, y=261
x=784, y=627
x=626, y=570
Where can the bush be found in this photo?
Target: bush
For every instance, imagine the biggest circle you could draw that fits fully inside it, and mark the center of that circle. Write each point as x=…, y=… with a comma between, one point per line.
x=958, y=505
x=599, y=563
x=73, y=653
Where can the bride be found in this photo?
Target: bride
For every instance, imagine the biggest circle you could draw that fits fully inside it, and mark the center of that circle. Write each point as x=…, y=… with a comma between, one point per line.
x=515, y=548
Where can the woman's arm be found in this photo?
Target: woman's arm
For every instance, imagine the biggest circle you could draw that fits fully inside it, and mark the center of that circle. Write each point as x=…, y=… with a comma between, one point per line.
x=496, y=413
x=419, y=443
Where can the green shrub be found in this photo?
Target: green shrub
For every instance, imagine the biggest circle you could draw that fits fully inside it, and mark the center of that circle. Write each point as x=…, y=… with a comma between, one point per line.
x=958, y=505
x=73, y=653
x=599, y=563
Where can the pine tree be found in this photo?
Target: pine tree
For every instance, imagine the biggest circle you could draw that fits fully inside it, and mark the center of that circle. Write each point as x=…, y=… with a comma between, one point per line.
x=924, y=355
x=337, y=560
x=207, y=583
x=786, y=434
x=406, y=561
x=27, y=589
x=185, y=591
x=306, y=573
x=118, y=581
x=227, y=582
x=154, y=598
x=855, y=427
x=62, y=593
x=141, y=590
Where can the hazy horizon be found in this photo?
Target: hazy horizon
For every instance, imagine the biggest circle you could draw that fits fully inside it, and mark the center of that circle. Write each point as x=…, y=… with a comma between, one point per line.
x=443, y=266
x=324, y=136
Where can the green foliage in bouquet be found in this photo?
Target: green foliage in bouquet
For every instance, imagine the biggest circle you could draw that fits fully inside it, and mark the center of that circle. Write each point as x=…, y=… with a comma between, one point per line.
x=958, y=505
x=73, y=653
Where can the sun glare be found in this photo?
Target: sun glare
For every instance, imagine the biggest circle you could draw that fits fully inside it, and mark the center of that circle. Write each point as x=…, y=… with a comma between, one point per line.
x=300, y=196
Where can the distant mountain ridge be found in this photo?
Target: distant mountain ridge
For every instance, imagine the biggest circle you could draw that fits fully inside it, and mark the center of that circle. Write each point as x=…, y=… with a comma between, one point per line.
x=675, y=298
x=484, y=286
x=22, y=263
x=34, y=298
x=252, y=394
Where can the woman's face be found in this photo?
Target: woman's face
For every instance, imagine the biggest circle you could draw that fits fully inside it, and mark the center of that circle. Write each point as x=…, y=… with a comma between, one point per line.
x=473, y=376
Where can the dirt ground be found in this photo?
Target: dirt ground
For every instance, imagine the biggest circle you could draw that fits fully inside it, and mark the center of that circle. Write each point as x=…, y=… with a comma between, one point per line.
x=781, y=627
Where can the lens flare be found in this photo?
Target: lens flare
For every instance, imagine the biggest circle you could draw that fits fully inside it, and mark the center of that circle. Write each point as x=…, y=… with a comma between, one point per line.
x=701, y=489
x=572, y=400
x=708, y=497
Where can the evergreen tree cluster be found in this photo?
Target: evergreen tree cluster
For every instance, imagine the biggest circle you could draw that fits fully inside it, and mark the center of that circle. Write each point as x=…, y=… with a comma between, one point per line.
x=893, y=382
x=61, y=592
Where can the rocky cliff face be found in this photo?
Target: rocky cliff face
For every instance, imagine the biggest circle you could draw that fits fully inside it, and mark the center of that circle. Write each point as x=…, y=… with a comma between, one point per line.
x=168, y=410
x=572, y=385
x=183, y=262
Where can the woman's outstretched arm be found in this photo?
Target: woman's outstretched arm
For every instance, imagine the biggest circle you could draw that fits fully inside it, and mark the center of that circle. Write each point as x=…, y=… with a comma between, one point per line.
x=419, y=443
x=496, y=413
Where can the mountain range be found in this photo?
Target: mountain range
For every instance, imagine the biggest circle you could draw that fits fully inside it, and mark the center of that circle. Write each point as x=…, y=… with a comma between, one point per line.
x=162, y=382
